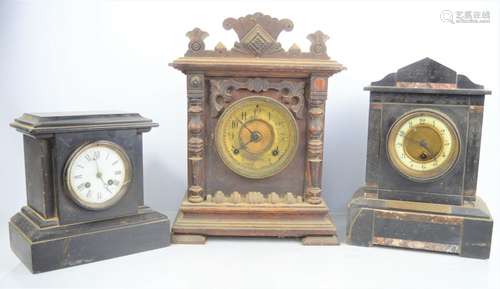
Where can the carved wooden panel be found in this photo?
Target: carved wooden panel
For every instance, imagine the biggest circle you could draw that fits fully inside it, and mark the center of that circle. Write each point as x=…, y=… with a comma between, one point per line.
x=291, y=93
x=254, y=198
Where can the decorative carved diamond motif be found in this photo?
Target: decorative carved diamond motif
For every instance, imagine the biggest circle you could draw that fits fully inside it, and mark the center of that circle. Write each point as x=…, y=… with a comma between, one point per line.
x=258, y=40
x=257, y=44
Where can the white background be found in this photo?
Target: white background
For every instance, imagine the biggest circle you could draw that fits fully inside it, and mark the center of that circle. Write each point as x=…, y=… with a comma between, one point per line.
x=114, y=55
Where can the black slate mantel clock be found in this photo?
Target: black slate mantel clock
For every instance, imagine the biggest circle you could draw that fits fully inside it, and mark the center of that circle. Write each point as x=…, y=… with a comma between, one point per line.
x=422, y=164
x=84, y=190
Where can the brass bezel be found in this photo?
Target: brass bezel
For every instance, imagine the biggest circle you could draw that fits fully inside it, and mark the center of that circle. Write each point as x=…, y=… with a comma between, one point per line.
x=125, y=185
x=430, y=175
x=248, y=173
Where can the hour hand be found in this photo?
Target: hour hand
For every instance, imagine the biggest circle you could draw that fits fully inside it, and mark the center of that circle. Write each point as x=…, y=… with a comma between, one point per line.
x=99, y=176
x=104, y=184
x=423, y=144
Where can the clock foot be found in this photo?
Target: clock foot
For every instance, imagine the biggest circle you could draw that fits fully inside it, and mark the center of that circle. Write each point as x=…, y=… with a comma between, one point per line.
x=189, y=239
x=320, y=240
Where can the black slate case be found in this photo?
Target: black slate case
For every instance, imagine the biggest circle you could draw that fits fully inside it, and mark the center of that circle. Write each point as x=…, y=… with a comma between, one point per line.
x=52, y=231
x=440, y=215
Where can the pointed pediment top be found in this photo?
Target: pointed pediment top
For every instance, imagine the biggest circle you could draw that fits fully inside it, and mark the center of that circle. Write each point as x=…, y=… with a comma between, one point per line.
x=426, y=70
x=427, y=76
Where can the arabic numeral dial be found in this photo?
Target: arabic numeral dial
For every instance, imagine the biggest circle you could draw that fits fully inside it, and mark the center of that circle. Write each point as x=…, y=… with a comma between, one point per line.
x=423, y=144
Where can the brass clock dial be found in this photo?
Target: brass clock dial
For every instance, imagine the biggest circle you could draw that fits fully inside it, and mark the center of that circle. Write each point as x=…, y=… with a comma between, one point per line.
x=256, y=137
x=423, y=145
x=97, y=174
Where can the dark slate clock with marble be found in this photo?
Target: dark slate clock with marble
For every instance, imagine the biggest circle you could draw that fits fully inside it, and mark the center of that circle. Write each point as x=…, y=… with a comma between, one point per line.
x=63, y=226
x=425, y=200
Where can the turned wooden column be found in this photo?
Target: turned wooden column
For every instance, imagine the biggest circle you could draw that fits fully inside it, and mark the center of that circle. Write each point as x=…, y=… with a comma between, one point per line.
x=196, y=137
x=315, y=125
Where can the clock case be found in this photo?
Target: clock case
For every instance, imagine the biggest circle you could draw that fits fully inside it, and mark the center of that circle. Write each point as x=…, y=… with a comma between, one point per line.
x=218, y=201
x=52, y=231
x=443, y=214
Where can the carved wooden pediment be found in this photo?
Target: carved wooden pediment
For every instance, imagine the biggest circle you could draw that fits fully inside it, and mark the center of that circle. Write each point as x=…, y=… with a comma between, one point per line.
x=258, y=37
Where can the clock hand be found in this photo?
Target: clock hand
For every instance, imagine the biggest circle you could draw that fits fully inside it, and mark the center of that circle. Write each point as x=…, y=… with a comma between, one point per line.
x=422, y=144
x=245, y=144
x=254, y=137
x=244, y=125
x=99, y=176
x=105, y=185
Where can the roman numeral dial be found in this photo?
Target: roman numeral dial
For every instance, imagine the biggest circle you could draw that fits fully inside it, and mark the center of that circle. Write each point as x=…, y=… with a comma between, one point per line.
x=97, y=174
x=423, y=145
x=256, y=137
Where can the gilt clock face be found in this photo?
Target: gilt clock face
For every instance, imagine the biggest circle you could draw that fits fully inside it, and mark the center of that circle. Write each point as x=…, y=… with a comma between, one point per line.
x=98, y=174
x=256, y=137
x=423, y=144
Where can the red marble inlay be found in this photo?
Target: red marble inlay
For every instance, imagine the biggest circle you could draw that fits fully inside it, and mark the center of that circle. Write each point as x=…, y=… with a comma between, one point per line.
x=319, y=84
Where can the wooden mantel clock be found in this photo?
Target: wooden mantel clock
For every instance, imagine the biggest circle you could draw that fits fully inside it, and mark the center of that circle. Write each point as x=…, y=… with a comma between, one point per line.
x=255, y=135
x=422, y=164
x=84, y=190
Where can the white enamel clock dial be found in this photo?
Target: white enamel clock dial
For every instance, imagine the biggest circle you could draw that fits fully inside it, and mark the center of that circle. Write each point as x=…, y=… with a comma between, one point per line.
x=98, y=174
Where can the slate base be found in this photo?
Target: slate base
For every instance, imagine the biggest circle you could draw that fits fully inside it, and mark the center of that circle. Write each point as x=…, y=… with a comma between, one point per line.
x=42, y=245
x=464, y=230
